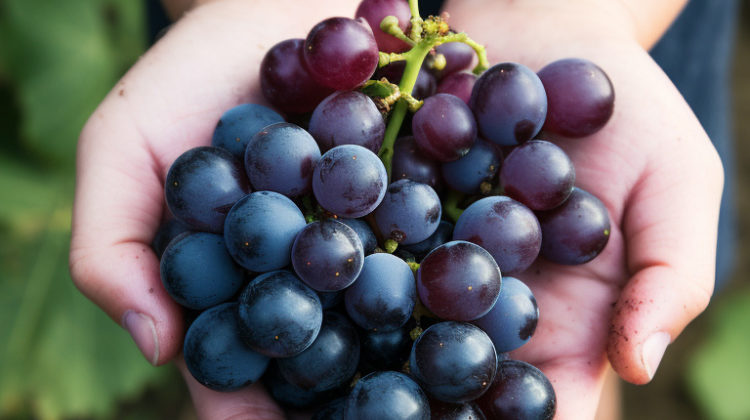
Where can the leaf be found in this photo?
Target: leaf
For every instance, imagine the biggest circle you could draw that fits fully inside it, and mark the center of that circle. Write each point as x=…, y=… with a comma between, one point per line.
x=719, y=373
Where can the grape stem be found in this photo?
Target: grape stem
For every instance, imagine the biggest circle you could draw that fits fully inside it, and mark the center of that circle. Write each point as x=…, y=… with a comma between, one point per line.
x=450, y=206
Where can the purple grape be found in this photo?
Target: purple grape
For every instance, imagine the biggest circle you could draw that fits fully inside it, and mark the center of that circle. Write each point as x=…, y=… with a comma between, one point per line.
x=440, y=410
x=238, y=125
x=458, y=84
x=510, y=104
x=347, y=117
x=458, y=281
x=383, y=296
x=576, y=231
x=505, y=228
x=373, y=11
x=444, y=127
x=424, y=86
x=281, y=158
x=349, y=181
x=387, y=395
x=538, y=174
x=512, y=321
x=580, y=97
x=327, y=255
x=409, y=213
x=520, y=391
x=458, y=56
x=365, y=233
x=453, y=361
x=409, y=163
x=202, y=185
x=442, y=234
x=285, y=81
x=481, y=164
x=341, y=53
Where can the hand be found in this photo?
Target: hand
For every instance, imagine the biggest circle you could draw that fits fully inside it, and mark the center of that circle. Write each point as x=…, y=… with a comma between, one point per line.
x=656, y=171
x=166, y=104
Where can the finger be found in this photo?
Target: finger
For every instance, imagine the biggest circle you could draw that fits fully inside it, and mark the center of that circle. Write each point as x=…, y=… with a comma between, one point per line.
x=251, y=403
x=670, y=227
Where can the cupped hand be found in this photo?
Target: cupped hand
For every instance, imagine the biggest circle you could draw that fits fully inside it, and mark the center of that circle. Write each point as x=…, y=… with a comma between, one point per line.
x=659, y=176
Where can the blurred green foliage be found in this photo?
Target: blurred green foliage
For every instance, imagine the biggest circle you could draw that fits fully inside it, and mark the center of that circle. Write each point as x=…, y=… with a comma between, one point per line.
x=60, y=356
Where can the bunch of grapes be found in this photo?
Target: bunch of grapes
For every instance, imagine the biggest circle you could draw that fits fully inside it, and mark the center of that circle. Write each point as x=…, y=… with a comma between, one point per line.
x=350, y=254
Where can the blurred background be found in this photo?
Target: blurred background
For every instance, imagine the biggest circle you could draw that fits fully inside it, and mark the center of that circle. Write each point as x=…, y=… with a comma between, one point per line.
x=62, y=358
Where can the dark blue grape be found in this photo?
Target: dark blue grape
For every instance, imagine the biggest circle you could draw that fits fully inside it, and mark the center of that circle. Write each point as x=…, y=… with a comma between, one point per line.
x=387, y=396
x=386, y=350
x=331, y=359
x=167, y=231
x=349, y=181
x=287, y=393
x=215, y=355
x=366, y=236
x=440, y=410
x=383, y=296
x=329, y=300
x=453, y=361
x=442, y=234
x=198, y=272
x=409, y=213
x=505, y=228
x=202, y=185
x=520, y=392
x=481, y=164
x=279, y=316
x=459, y=85
x=409, y=163
x=260, y=230
x=444, y=127
x=347, y=117
x=238, y=125
x=576, y=231
x=510, y=104
x=512, y=321
x=458, y=281
x=333, y=410
x=281, y=158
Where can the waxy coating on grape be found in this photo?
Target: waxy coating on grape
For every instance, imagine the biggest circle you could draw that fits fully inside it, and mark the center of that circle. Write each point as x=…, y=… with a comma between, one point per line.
x=239, y=124
x=341, y=53
x=453, y=361
x=509, y=103
x=480, y=165
x=520, y=391
x=215, y=355
x=202, y=185
x=580, y=97
x=505, y=228
x=444, y=127
x=409, y=213
x=576, y=231
x=260, y=229
x=387, y=395
x=279, y=316
x=198, y=272
x=347, y=117
x=373, y=11
x=327, y=255
x=458, y=281
x=281, y=158
x=513, y=319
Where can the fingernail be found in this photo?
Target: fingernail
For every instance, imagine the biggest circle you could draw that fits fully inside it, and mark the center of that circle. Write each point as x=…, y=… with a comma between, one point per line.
x=141, y=327
x=653, y=350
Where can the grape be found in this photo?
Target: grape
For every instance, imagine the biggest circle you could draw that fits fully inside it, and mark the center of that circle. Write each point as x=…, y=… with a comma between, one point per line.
x=481, y=164
x=215, y=355
x=453, y=361
x=580, y=97
x=260, y=230
x=347, y=117
x=287, y=393
x=373, y=11
x=198, y=272
x=520, y=391
x=362, y=229
x=458, y=56
x=384, y=350
x=408, y=162
x=281, y=158
x=458, y=281
x=409, y=213
x=440, y=410
x=387, y=395
x=383, y=296
x=202, y=185
x=167, y=231
x=327, y=255
x=285, y=81
x=442, y=234
x=279, y=316
x=510, y=104
x=444, y=127
x=538, y=174
x=329, y=300
x=238, y=125
x=349, y=181
x=331, y=359
x=512, y=321
x=576, y=231
x=333, y=410
x=458, y=84
x=424, y=86
x=341, y=53
x=505, y=228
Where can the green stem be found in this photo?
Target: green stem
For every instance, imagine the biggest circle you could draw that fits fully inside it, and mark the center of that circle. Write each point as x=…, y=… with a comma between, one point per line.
x=483, y=63
x=416, y=21
x=450, y=205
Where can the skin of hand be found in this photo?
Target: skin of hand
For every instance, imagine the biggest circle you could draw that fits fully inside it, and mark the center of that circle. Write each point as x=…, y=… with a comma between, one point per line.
x=652, y=165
